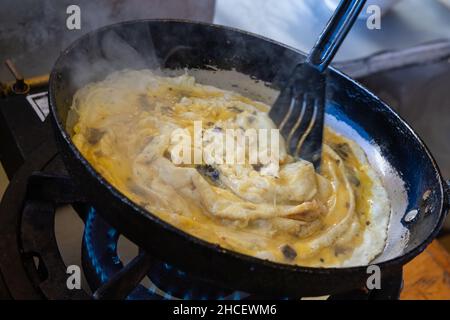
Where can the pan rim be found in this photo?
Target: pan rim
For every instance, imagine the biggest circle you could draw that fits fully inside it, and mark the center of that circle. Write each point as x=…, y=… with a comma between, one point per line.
x=397, y=261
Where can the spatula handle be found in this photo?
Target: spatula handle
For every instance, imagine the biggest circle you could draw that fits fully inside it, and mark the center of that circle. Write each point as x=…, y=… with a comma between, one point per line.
x=334, y=33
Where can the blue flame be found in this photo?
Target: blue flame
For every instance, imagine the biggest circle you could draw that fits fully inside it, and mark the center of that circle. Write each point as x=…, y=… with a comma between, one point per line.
x=237, y=295
x=167, y=266
x=105, y=265
x=152, y=289
x=167, y=296
x=101, y=273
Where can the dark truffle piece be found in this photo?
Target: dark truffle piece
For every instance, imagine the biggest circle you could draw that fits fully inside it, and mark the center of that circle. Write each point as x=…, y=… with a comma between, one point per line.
x=94, y=135
x=288, y=252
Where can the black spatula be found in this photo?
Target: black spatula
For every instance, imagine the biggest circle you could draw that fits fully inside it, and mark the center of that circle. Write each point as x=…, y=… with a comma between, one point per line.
x=299, y=110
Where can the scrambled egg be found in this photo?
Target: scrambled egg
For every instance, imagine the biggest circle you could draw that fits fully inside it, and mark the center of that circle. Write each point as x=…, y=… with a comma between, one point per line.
x=294, y=215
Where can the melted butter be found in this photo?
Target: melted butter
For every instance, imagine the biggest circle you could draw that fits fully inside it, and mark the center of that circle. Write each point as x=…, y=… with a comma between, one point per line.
x=336, y=254
x=114, y=157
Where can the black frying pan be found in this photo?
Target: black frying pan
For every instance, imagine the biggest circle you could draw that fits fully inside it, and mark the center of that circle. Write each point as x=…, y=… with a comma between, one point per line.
x=404, y=164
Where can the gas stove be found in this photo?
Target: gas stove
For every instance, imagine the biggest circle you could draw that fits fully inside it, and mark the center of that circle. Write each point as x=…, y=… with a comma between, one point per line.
x=47, y=230
x=33, y=238
x=32, y=264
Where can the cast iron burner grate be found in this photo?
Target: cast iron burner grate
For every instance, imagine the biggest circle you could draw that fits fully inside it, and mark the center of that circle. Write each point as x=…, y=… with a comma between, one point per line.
x=101, y=262
x=31, y=266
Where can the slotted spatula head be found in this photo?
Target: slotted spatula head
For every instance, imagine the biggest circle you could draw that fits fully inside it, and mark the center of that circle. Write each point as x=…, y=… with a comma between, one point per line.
x=299, y=110
x=298, y=113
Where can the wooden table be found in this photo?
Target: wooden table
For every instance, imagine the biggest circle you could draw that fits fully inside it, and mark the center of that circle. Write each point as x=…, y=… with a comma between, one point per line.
x=427, y=277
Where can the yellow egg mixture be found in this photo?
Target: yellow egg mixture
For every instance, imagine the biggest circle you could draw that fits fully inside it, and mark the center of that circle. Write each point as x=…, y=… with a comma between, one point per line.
x=295, y=215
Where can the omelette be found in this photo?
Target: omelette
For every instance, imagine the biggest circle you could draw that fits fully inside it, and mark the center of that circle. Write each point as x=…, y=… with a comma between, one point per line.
x=285, y=212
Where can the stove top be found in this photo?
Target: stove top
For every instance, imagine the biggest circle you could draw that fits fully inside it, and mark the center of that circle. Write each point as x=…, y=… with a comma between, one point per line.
x=34, y=262
x=32, y=267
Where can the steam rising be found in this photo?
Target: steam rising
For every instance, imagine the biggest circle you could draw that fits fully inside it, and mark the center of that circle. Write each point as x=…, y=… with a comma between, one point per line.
x=33, y=33
x=106, y=54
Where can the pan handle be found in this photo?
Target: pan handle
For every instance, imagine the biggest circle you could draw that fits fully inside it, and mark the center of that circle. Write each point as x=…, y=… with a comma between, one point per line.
x=334, y=34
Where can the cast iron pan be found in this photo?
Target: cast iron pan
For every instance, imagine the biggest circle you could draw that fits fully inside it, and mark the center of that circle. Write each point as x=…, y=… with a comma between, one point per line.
x=403, y=162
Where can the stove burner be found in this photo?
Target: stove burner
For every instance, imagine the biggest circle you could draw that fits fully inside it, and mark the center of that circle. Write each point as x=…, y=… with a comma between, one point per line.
x=31, y=266
x=100, y=259
x=101, y=262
